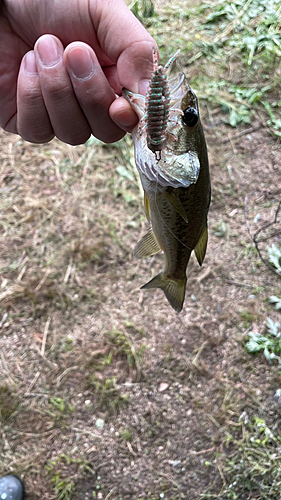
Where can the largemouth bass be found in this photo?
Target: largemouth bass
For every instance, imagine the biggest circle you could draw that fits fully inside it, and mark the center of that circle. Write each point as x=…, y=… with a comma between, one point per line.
x=171, y=157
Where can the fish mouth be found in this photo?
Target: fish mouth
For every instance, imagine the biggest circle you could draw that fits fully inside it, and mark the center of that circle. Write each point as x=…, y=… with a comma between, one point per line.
x=172, y=170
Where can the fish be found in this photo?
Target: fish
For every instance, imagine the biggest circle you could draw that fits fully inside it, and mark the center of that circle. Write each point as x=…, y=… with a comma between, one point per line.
x=172, y=160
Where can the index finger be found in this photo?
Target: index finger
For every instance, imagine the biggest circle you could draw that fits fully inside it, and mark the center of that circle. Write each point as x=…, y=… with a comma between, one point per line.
x=125, y=41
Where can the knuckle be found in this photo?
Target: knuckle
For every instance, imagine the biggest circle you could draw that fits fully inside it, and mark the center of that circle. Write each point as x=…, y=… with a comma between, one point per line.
x=56, y=90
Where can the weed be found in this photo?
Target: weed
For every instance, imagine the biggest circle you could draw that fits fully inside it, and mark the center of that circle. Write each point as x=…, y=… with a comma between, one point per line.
x=67, y=344
x=274, y=254
x=64, y=472
x=269, y=343
x=248, y=317
x=126, y=435
x=119, y=350
x=59, y=409
x=273, y=299
x=142, y=9
x=64, y=488
x=251, y=467
x=108, y=396
x=274, y=123
x=220, y=229
x=124, y=347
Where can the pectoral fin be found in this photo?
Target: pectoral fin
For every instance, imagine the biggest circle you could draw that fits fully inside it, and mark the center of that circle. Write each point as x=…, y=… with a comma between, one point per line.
x=201, y=246
x=177, y=204
x=147, y=246
x=173, y=289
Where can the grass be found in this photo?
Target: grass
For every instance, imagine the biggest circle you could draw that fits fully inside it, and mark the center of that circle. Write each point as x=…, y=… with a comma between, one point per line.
x=117, y=348
x=250, y=465
x=64, y=472
x=242, y=35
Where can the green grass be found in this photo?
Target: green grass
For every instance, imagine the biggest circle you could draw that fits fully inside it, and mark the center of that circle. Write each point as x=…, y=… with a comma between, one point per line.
x=243, y=35
x=269, y=343
x=63, y=473
x=118, y=349
x=250, y=466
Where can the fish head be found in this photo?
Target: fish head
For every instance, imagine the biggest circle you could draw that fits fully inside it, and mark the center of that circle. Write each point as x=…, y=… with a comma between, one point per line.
x=180, y=160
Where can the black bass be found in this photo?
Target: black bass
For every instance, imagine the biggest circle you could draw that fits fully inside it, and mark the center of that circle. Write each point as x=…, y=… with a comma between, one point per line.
x=172, y=160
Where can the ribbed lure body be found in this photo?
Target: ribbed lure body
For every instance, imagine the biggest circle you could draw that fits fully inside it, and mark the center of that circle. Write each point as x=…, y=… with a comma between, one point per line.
x=157, y=107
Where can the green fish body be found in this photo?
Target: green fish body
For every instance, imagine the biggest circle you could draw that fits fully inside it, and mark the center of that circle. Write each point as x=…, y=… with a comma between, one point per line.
x=176, y=187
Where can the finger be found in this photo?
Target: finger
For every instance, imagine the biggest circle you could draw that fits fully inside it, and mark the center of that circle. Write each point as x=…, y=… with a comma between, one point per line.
x=66, y=116
x=92, y=90
x=122, y=113
x=126, y=42
x=33, y=123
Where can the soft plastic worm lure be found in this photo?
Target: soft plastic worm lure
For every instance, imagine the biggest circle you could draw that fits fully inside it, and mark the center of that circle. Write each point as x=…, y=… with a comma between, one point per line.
x=157, y=106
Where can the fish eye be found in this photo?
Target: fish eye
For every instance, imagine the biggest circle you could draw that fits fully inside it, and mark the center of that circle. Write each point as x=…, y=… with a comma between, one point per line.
x=190, y=117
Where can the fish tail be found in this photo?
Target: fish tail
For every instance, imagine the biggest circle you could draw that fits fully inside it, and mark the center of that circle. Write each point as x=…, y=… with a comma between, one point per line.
x=173, y=289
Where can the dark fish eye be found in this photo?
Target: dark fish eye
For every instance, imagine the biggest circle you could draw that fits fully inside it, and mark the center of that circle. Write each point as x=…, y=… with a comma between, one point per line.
x=190, y=117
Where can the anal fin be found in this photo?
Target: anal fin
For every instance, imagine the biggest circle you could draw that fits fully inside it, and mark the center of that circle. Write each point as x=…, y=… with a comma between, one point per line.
x=200, y=249
x=147, y=246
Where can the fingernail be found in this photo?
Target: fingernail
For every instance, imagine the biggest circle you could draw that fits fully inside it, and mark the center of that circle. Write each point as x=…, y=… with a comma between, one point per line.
x=143, y=86
x=30, y=63
x=49, y=51
x=80, y=63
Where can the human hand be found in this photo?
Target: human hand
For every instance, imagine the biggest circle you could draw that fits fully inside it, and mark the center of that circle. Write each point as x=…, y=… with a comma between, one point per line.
x=62, y=64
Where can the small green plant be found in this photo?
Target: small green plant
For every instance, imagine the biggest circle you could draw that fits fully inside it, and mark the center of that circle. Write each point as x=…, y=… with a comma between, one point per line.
x=64, y=471
x=59, y=408
x=107, y=393
x=59, y=404
x=126, y=435
x=68, y=344
x=124, y=347
x=274, y=255
x=274, y=122
x=269, y=343
x=64, y=488
x=273, y=299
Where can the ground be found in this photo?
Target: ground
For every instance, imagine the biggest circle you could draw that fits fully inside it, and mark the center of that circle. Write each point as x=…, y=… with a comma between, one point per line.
x=105, y=391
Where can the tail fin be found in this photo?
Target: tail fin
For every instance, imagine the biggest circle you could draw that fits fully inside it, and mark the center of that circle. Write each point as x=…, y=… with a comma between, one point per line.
x=173, y=289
